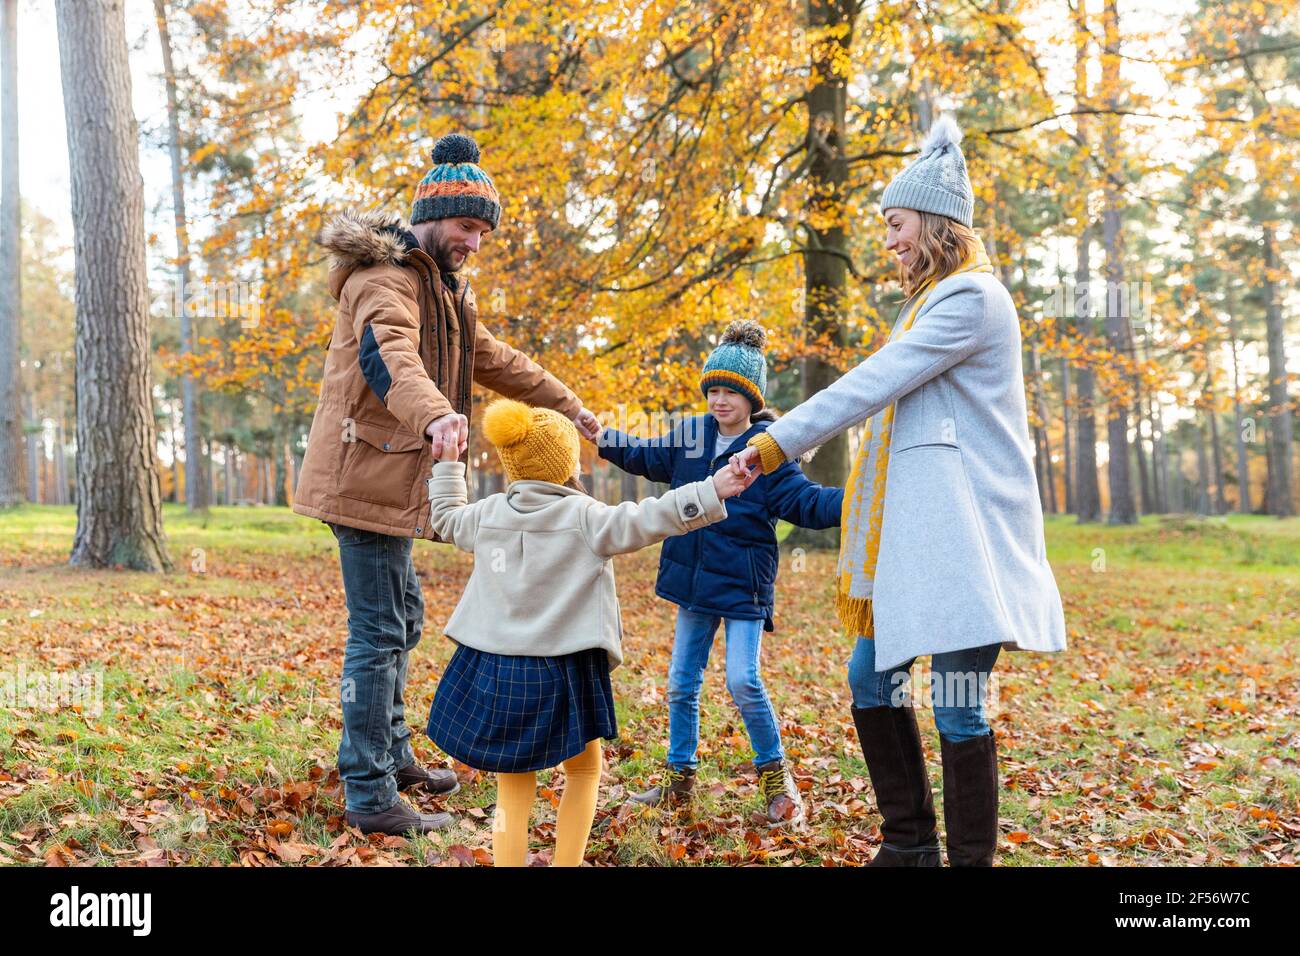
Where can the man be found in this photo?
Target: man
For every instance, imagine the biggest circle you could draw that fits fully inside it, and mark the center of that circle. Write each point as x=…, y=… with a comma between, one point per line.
x=406, y=350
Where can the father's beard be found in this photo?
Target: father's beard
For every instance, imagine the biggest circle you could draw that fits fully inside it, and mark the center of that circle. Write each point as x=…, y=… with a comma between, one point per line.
x=446, y=254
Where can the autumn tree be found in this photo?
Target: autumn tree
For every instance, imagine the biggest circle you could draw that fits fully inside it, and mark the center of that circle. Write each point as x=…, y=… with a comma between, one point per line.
x=119, y=504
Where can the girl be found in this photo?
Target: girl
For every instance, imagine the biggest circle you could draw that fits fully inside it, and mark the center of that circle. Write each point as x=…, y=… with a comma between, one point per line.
x=725, y=573
x=941, y=549
x=538, y=626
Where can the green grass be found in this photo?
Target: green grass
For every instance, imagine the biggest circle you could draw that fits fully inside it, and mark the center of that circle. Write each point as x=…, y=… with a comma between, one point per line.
x=1166, y=734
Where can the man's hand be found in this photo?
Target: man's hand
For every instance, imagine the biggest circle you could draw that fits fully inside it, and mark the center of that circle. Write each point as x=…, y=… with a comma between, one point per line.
x=589, y=426
x=448, y=436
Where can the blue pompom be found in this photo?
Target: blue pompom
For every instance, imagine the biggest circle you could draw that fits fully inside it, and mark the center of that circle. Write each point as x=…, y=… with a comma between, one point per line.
x=455, y=148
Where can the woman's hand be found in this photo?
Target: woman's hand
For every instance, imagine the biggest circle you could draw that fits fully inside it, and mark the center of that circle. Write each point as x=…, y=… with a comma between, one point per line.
x=747, y=464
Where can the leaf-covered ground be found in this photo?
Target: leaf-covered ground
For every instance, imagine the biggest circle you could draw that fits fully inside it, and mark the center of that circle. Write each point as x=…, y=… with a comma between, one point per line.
x=1167, y=734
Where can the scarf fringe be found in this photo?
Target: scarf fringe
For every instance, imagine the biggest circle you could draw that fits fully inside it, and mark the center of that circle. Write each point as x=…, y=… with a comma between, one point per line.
x=856, y=615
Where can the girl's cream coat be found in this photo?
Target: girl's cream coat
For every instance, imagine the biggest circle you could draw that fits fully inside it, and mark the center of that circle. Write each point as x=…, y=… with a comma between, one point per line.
x=543, y=582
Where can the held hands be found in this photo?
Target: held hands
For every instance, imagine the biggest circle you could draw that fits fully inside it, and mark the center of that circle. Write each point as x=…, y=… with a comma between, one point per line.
x=589, y=426
x=748, y=462
x=448, y=436
x=732, y=480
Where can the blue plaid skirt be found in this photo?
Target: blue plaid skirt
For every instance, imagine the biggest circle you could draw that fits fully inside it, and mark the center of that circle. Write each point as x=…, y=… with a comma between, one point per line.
x=511, y=714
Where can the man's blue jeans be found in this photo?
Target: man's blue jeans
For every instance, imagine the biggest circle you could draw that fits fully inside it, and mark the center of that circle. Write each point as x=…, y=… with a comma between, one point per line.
x=385, y=618
x=958, y=680
x=691, y=646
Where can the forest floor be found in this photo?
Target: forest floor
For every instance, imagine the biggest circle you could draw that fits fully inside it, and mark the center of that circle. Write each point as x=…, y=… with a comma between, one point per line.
x=199, y=719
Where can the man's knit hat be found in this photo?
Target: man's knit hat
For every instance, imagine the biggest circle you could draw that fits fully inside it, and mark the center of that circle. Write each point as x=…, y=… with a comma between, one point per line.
x=738, y=362
x=456, y=186
x=534, y=443
x=937, y=180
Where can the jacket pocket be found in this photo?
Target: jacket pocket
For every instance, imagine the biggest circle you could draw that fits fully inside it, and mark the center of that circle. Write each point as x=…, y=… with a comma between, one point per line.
x=925, y=417
x=381, y=465
x=753, y=574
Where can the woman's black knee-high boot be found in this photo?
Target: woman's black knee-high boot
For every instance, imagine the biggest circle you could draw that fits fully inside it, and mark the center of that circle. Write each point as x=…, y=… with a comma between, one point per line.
x=891, y=746
x=970, y=800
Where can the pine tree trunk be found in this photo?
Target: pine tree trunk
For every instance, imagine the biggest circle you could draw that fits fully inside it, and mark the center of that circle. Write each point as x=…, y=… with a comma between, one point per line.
x=825, y=268
x=1067, y=439
x=1086, y=487
x=1280, y=503
x=119, y=502
x=1239, y=425
x=194, y=490
x=13, y=479
x=1202, y=473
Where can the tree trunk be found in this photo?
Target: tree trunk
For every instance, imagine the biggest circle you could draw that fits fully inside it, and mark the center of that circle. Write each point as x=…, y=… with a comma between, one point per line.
x=13, y=480
x=1239, y=426
x=1119, y=479
x=1216, y=459
x=1279, y=403
x=119, y=502
x=1067, y=439
x=825, y=265
x=35, y=452
x=1087, y=491
x=194, y=492
x=1202, y=473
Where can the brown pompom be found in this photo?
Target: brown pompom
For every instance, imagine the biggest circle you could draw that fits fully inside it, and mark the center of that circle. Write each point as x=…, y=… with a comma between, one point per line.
x=745, y=332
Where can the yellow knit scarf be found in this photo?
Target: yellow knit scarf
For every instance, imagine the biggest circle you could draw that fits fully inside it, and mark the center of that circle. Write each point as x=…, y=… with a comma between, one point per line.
x=864, y=496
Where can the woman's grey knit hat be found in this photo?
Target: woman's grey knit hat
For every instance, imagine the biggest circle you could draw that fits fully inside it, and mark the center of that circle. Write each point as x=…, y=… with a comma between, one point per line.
x=937, y=180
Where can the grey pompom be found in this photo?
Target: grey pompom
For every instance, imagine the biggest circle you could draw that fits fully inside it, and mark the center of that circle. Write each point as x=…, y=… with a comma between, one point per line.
x=944, y=132
x=745, y=332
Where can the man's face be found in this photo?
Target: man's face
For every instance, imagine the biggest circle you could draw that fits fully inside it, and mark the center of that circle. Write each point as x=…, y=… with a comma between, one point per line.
x=450, y=242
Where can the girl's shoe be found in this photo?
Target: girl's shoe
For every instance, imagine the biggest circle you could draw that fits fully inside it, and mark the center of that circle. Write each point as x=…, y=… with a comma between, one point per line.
x=784, y=806
x=675, y=788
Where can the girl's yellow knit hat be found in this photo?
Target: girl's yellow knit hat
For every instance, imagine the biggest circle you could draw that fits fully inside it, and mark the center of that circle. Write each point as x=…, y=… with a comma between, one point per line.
x=534, y=443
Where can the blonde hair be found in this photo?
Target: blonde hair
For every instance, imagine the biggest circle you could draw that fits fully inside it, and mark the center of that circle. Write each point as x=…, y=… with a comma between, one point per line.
x=942, y=245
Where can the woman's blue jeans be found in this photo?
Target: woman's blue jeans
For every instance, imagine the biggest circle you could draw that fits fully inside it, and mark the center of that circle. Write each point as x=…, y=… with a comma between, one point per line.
x=385, y=619
x=691, y=646
x=958, y=680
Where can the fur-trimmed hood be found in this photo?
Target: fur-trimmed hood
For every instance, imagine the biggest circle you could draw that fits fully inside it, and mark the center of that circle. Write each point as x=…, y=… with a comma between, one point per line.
x=360, y=238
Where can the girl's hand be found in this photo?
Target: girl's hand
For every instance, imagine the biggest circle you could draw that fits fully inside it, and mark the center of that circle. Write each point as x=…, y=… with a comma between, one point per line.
x=727, y=483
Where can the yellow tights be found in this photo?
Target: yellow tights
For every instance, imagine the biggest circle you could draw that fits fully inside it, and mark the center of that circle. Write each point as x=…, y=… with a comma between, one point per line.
x=515, y=795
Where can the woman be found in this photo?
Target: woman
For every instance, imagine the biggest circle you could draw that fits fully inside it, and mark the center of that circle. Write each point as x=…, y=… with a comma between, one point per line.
x=941, y=540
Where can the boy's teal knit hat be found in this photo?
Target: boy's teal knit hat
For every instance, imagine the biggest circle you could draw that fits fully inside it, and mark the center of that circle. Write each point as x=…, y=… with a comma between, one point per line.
x=937, y=180
x=738, y=362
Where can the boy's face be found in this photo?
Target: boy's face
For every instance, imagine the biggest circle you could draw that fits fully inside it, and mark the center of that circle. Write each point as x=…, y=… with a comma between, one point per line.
x=727, y=406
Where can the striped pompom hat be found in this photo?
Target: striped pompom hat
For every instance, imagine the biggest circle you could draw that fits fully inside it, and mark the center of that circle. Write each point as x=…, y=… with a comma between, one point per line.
x=456, y=186
x=738, y=362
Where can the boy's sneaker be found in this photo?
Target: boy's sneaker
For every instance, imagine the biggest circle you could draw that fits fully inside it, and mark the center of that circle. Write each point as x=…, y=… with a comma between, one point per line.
x=675, y=788
x=780, y=795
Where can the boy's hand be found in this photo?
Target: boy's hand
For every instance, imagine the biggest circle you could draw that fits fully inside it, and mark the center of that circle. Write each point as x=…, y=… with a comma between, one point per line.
x=728, y=483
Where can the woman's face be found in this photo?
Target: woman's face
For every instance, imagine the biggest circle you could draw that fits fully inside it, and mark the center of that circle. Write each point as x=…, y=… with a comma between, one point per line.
x=902, y=227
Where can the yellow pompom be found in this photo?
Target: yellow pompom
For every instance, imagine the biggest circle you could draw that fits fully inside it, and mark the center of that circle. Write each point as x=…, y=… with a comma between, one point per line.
x=506, y=422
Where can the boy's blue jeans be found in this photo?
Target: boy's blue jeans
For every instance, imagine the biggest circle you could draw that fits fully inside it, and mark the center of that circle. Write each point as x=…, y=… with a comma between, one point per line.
x=691, y=646
x=958, y=680
x=385, y=618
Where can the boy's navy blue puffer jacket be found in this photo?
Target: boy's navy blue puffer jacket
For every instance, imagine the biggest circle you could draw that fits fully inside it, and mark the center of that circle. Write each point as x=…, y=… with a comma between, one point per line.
x=729, y=568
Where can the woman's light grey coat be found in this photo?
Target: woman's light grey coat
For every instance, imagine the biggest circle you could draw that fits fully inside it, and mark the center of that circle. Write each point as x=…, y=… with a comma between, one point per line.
x=962, y=560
